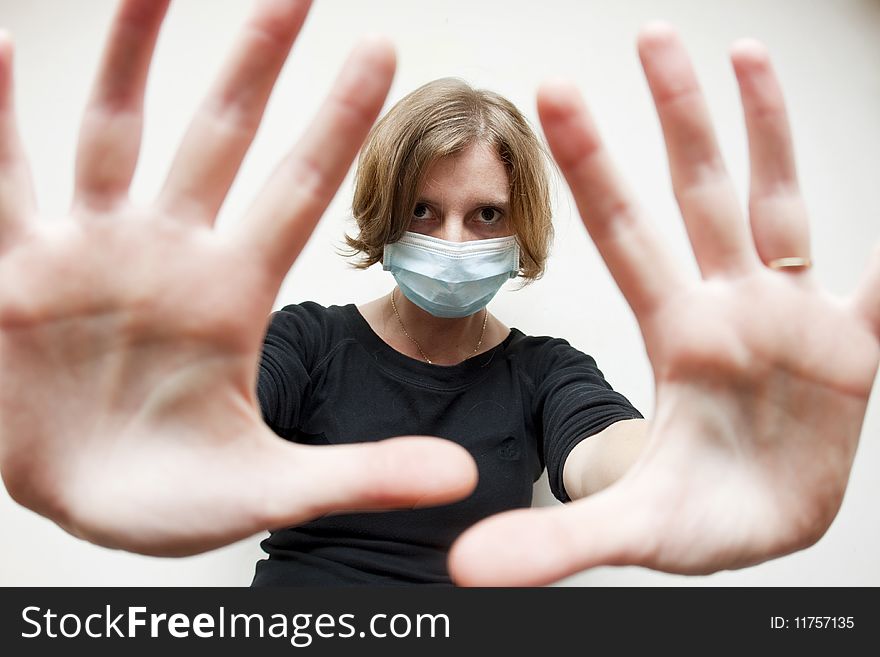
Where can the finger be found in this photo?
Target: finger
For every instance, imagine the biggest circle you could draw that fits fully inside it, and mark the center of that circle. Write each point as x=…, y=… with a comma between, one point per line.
x=298, y=192
x=110, y=134
x=776, y=208
x=866, y=300
x=703, y=189
x=298, y=484
x=16, y=188
x=224, y=127
x=236, y=488
x=534, y=547
x=637, y=260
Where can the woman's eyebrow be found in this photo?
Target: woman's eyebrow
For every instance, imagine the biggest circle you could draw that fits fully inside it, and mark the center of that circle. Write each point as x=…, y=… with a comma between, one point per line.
x=476, y=201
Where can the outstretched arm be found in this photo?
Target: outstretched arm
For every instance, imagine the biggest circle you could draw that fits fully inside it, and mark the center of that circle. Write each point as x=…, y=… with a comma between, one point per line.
x=603, y=458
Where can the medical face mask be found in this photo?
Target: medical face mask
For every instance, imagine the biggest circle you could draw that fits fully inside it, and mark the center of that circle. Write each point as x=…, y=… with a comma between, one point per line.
x=451, y=279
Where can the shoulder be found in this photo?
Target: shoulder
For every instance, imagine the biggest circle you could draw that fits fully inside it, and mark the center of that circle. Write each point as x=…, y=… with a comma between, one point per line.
x=550, y=363
x=541, y=352
x=307, y=328
x=307, y=315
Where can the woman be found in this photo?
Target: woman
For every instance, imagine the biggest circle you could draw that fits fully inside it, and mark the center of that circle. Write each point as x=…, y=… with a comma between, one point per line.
x=130, y=336
x=452, y=197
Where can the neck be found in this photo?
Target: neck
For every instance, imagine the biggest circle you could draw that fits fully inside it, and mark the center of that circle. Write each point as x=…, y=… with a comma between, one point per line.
x=443, y=340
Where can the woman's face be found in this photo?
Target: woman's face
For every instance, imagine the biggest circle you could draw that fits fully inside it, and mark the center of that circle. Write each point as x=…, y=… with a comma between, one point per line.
x=464, y=197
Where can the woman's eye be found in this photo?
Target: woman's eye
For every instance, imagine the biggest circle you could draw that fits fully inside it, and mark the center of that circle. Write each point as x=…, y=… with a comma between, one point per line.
x=490, y=215
x=421, y=211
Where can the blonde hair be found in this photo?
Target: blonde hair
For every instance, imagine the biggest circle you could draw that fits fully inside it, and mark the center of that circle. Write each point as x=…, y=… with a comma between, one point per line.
x=438, y=119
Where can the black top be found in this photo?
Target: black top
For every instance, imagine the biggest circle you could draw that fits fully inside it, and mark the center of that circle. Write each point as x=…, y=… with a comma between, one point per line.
x=327, y=378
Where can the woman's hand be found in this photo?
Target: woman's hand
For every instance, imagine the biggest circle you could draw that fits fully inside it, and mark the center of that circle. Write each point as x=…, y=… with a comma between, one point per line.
x=762, y=378
x=130, y=336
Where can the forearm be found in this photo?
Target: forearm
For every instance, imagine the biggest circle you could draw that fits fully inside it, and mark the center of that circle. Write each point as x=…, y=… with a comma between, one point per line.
x=600, y=460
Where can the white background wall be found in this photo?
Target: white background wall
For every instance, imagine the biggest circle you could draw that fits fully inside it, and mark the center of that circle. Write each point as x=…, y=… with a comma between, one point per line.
x=827, y=53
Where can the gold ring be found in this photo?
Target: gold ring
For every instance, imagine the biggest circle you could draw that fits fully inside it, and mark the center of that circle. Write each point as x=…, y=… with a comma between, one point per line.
x=790, y=263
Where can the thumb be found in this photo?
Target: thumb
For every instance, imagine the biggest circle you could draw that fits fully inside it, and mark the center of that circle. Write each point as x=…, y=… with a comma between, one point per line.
x=534, y=547
x=304, y=482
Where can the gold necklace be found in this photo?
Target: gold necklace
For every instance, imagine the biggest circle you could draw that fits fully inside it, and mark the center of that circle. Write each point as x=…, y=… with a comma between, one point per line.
x=419, y=347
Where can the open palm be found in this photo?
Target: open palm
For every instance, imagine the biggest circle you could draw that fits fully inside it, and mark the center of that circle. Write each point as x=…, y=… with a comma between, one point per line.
x=130, y=336
x=762, y=379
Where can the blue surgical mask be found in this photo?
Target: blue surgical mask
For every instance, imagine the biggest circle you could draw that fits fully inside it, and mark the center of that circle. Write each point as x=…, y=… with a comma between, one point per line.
x=451, y=279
